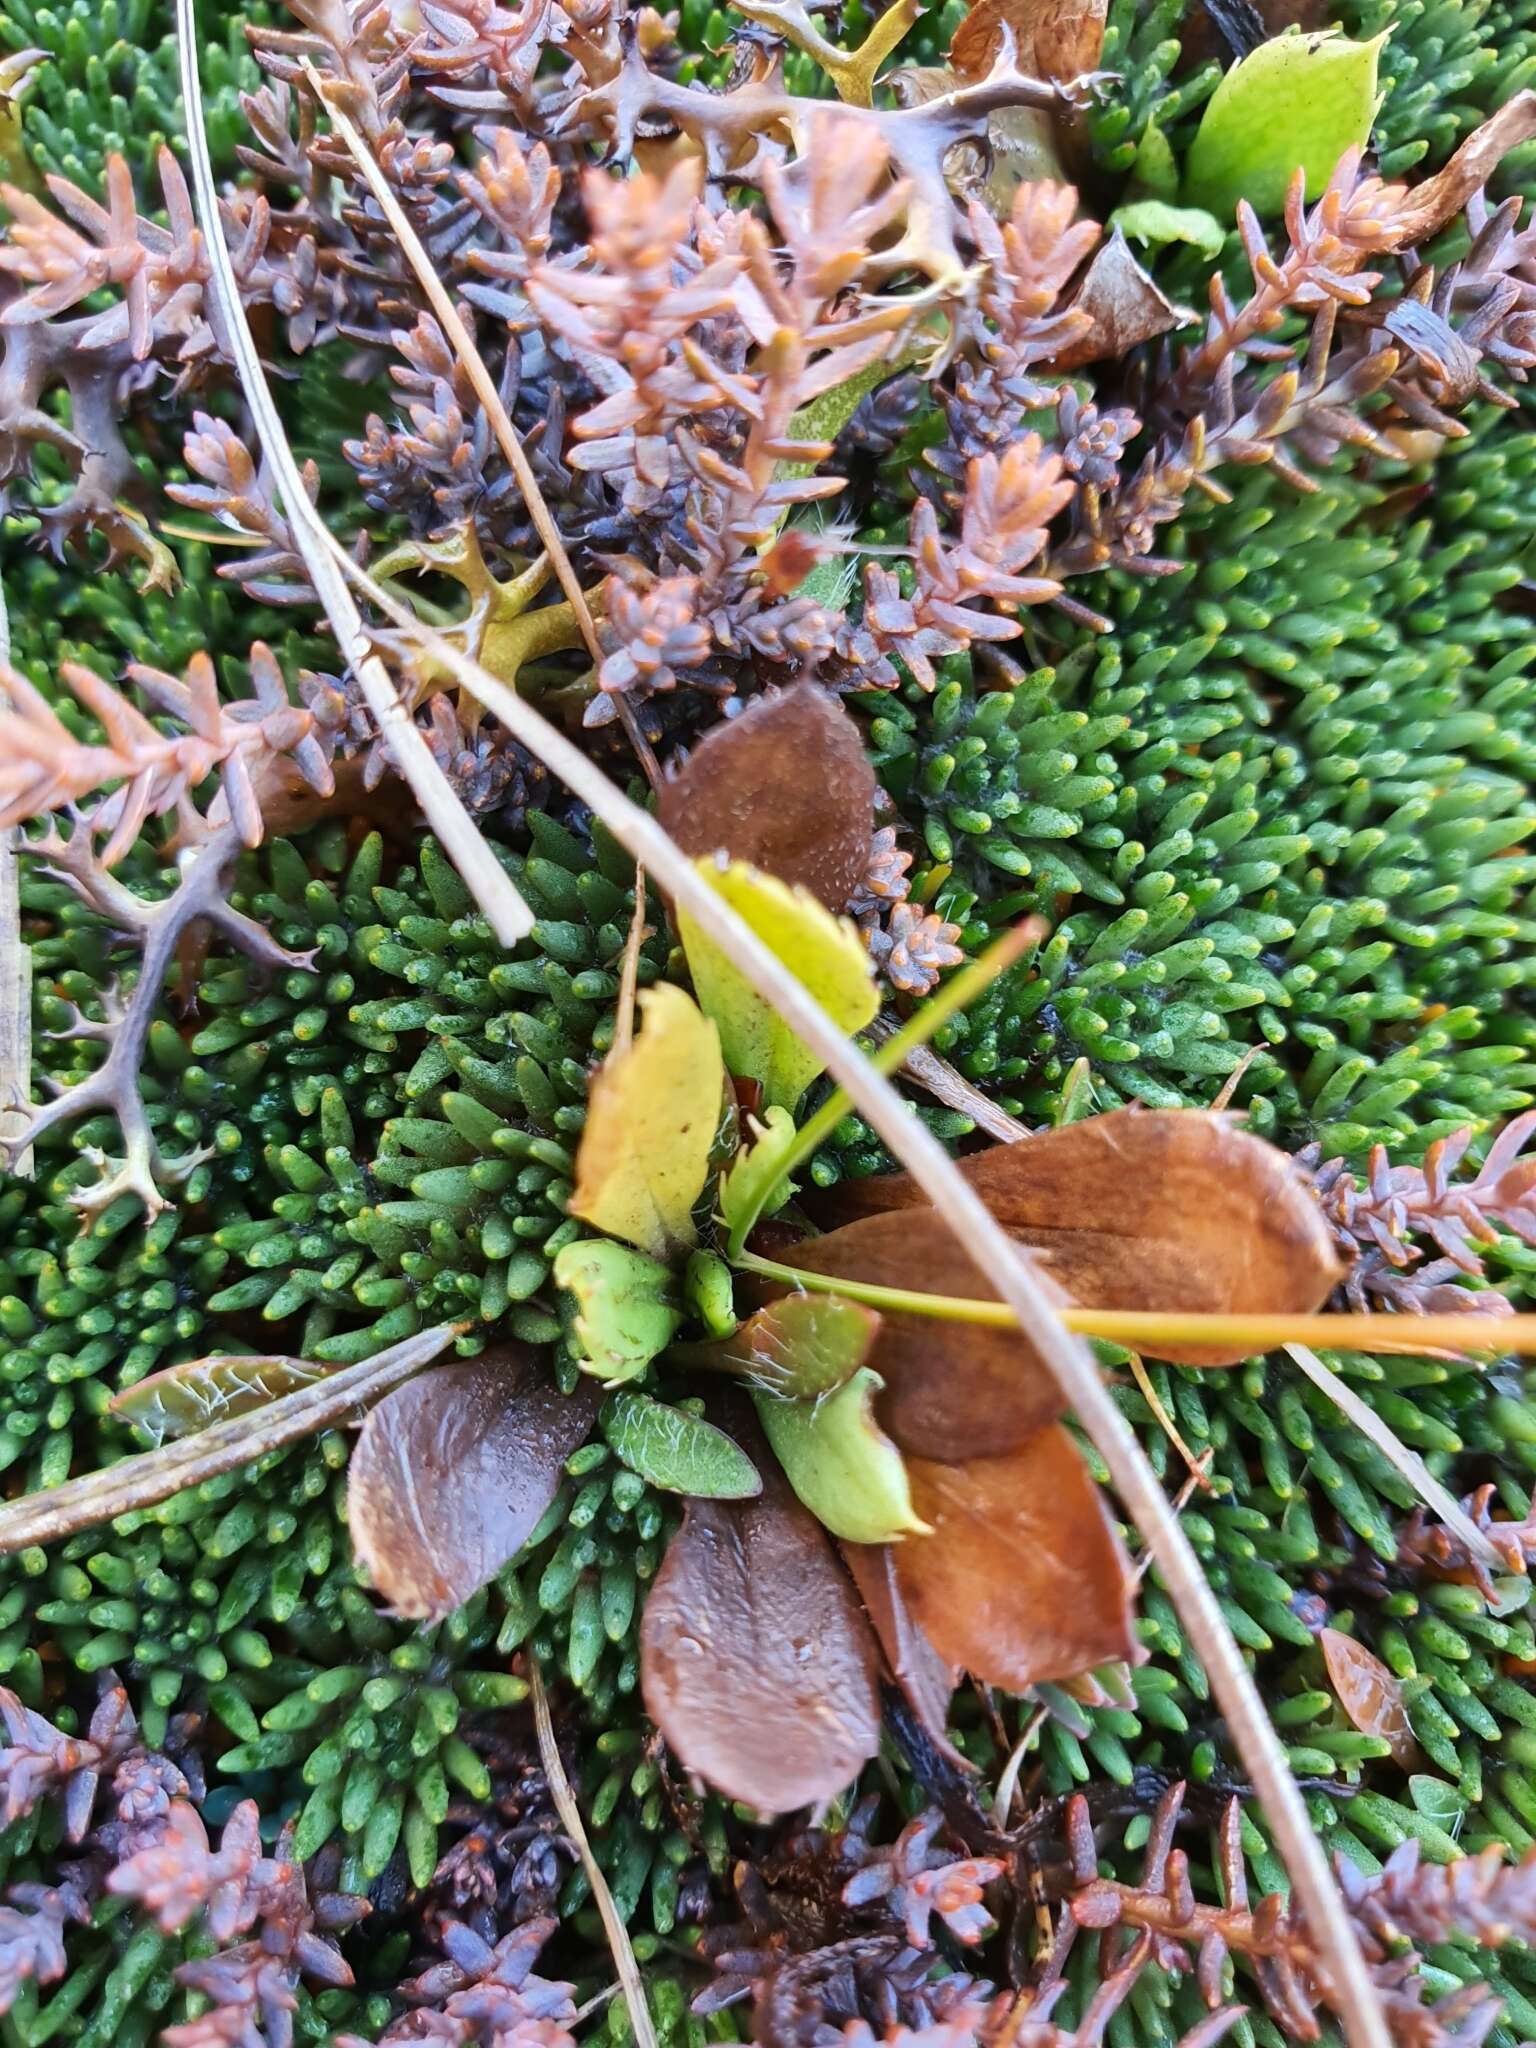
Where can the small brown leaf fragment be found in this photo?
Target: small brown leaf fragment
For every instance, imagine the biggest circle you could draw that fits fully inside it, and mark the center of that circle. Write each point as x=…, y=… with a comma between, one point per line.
x=924, y=1677
x=786, y=787
x=1024, y=1580
x=452, y=1472
x=952, y=1390
x=1430, y=206
x=756, y=1661
x=1053, y=39
x=1167, y=1210
x=1369, y=1694
x=1123, y=305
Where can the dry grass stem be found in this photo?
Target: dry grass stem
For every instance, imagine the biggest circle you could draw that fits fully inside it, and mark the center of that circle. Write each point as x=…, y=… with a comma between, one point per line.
x=15, y=977
x=570, y=1819
x=488, y=882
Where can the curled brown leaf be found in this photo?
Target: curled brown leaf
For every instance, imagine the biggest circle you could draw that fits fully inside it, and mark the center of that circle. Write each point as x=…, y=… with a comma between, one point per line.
x=1124, y=307
x=1430, y=206
x=1023, y=1580
x=786, y=787
x=756, y=1661
x=924, y=1677
x=453, y=1471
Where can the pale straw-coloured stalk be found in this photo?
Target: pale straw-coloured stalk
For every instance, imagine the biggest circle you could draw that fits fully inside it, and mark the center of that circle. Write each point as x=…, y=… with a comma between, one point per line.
x=484, y=876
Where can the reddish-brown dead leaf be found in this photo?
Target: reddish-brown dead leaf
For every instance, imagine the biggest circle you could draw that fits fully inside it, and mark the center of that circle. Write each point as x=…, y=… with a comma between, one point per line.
x=1123, y=305
x=1053, y=39
x=1162, y=1210
x=1024, y=1579
x=756, y=1661
x=924, y=1677
x=452, y=1472
x=952, y=1390
x=1369, y=1694
x=786, y=787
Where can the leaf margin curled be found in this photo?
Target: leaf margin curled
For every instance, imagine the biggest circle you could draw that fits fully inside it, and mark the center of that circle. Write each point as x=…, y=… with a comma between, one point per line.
x=652, y=1114
x=754, y=1185
x=181, y=1399
x=841, y=1463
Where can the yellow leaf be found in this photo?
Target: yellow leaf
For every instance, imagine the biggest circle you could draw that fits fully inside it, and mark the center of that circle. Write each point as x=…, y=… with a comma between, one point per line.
x=651, y=1122
x=823, y=952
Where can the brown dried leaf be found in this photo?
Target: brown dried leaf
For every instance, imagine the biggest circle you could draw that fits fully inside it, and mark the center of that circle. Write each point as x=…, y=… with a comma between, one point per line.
x=1124, y=307
x=1439, y=199
x=1024, y=1579
x=452, y=1472
x=952, y=1390
x=924, y=1677
x=1369, y=1694
x=1171, y=1210
x=785, y=787
x=756, y=1662
x=1053, y=39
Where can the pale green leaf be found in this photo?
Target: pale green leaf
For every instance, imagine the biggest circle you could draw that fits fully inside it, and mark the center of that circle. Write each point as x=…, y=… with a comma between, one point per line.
x=841, y=1463
x=201, y=1391
x=710, y=1293
x=824, y=952
x=651, y=1122
x=620, y=1307
x=679, y=1452
x=1295, y=101
x=1153, y=222
x=754, y=1185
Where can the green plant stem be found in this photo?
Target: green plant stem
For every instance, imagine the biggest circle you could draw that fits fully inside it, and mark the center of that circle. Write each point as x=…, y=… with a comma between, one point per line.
x=958, y=993
x=1140, y=1329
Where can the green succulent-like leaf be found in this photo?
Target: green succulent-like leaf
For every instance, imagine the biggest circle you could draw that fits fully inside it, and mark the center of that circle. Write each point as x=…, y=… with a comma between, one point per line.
x=1155, y=173
x=1297, y=101
x=755, y=1184
x=621, y=1307
x=679, y=1452
x=841, y=1463
x=710, y=1293
x=824, y=952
